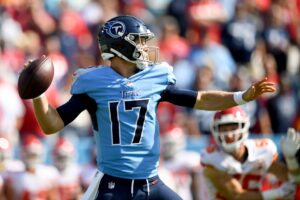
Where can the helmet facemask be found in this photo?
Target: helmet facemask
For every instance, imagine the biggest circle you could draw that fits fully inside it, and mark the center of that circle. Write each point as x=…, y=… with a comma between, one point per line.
x=62, y=161
x=143, y=55
x=32, y=156
x=230, y=128
x=231, y=140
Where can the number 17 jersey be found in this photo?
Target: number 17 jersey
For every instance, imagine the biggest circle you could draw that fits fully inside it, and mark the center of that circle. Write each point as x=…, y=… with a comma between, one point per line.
x=127, y=130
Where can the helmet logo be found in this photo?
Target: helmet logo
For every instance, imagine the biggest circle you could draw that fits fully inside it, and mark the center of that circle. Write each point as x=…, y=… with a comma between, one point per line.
x=115, y=29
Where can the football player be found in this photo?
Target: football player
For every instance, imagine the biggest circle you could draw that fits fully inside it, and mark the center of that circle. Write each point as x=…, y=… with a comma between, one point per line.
x=36, y=181
x=7, y=163
x=235, y=165
x=184, y=165
x=69, y=186
x=89, y=170
x=122, y=98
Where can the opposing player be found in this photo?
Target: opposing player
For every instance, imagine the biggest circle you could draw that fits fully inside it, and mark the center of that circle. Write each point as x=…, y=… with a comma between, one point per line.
x=69, y=186
x=184, y=165
x=88, y=171
x=36, y=181
x=235, y=166
x=122, y=99
x=7, y=163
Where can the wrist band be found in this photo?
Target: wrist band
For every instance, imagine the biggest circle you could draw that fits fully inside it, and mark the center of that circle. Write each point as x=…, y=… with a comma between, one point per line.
x=294, y=178
x=292, y=163
x=238, y=98
x=271, y=194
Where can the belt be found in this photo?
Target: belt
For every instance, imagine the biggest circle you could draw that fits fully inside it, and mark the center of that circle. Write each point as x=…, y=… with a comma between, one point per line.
x=150, y=181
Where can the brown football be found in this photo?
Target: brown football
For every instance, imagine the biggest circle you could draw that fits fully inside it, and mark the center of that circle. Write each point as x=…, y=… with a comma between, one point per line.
x=36, y=78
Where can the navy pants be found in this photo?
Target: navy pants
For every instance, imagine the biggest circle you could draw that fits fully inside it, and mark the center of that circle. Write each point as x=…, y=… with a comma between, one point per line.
x=113, y=188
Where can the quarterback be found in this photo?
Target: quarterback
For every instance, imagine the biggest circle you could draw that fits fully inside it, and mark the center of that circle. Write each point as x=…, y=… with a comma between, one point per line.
x=122, y=99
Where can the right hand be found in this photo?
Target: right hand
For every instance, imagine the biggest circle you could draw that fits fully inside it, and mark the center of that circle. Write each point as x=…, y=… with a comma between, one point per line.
x=286, y=191
x=290, y=144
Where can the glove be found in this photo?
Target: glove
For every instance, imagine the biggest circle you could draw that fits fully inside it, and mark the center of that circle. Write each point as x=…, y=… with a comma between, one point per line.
x=290, y=143
x=286, y=191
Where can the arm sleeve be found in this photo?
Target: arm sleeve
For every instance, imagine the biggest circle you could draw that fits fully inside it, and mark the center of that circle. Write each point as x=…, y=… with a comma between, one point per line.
x=76, y=104
x=180, y=97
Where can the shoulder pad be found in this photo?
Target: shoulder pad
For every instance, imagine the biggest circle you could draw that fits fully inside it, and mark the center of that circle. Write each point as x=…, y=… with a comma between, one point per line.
x=82, y=71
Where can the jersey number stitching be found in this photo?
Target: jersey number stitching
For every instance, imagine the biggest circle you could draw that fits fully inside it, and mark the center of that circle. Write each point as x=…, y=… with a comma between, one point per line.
x=142, y=105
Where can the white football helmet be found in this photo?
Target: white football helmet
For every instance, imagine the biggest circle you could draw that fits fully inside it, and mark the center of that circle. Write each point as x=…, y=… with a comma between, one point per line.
x=63, y=154
x=230, y=140
x=32, y=151
x=172, y=142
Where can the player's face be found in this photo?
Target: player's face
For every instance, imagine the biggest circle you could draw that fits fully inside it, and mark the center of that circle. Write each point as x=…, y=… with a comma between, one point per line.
x=229, y=132
x=62, y=161
x=148, y=53
x=31, y=159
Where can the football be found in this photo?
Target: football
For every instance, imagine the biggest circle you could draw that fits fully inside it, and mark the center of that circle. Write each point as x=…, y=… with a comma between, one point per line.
x=35, y=78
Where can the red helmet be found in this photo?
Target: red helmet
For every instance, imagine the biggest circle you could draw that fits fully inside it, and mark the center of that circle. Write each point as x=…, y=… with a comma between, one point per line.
x=235, y=116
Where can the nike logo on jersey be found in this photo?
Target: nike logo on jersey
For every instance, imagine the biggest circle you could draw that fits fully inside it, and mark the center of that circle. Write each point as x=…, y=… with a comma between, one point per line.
x=111, y=185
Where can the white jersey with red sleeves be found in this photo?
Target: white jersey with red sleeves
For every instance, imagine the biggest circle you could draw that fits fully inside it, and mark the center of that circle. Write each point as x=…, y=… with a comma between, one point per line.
x=181, y=167
x=69, y=183
x=87, y=174
x=27, y=186
x=261, y=154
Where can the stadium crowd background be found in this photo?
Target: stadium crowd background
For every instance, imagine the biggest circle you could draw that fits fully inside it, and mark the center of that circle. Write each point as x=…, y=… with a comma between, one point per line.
x=212, y=44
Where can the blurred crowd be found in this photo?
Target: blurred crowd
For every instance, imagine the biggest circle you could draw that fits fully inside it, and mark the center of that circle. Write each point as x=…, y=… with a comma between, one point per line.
x=212, y=44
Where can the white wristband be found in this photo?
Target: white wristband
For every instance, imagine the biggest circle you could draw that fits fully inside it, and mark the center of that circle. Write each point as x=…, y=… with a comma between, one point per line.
x=238, y=98
x=292, y=163
x=271, y=194
x=294, y=178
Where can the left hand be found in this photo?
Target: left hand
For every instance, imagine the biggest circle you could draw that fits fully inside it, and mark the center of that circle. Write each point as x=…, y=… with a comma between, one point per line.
x=258, y=89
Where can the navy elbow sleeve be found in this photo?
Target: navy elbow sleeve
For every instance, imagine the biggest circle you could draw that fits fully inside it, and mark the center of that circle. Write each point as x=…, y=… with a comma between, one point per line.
x=180, y=97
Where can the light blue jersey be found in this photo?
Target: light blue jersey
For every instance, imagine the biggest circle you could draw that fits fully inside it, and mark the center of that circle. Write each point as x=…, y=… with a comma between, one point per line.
x=127, y=138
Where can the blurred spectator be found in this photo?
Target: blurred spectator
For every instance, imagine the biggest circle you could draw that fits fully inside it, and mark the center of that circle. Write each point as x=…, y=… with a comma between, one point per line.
x=30, y=125
x=240, y=33
x=284, y=106
x=60, y=62
x=166, y=115
x=172, y=45
x=204, y=81
x=277, y=36
x=212, y=53
x=177, y=9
